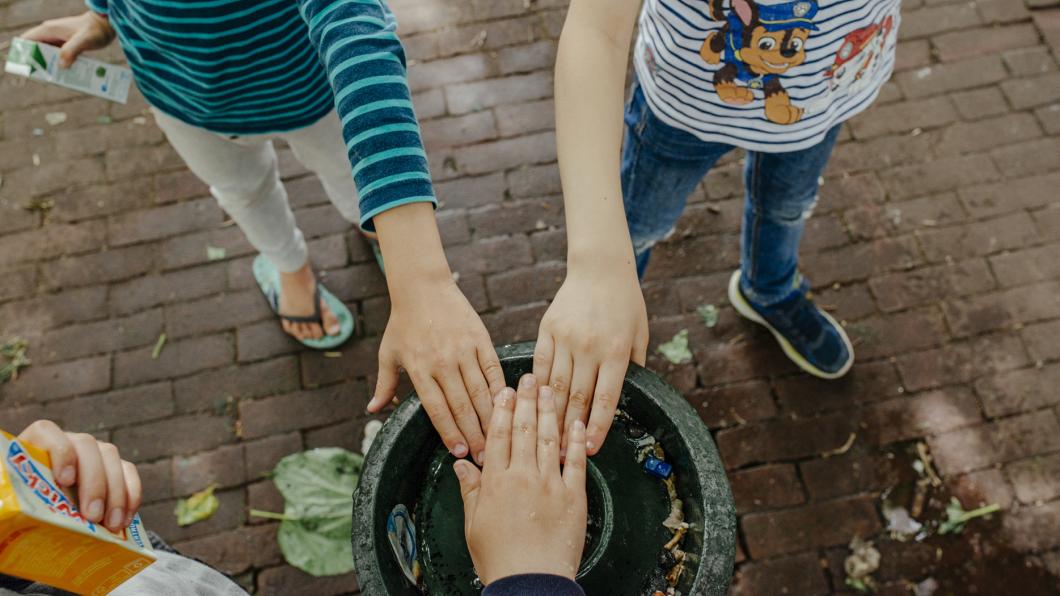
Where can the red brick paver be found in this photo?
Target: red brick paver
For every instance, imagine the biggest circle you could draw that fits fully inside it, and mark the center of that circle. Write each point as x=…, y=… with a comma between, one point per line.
x=937, y=242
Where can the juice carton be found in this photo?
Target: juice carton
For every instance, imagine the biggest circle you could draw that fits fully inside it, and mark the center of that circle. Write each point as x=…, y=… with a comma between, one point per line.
x=40, y=62
x=45, y=539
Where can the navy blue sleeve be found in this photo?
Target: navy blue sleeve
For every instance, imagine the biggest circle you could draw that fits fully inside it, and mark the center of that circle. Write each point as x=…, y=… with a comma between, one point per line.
x=358, y=46
x=533, y=584
x=99, y=6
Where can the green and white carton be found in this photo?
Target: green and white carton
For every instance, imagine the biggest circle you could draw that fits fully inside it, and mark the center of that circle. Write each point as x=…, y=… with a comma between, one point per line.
x=40, y=62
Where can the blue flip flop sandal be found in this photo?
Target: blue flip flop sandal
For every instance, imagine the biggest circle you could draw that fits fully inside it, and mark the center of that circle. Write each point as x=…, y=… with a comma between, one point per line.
x=378, y=252
x=268, y=279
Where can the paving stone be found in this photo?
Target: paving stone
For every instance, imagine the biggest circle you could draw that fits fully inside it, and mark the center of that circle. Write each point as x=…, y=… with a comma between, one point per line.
x=935, y=242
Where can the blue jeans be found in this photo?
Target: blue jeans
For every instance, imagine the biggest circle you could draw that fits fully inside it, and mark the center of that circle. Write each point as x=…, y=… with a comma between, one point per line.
x=662, y=165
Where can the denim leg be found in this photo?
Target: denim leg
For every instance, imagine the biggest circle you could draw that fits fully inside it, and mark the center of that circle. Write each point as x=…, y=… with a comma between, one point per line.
x=781, y=191
x=661, y=167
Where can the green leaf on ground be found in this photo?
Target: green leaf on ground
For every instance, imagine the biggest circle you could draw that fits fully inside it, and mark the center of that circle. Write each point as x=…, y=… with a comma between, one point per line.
x=214, y=253
x=198, y=507
x=13, y=359
x=676, y=350
x=317, y=520
x=957, y=517
x=709, y=314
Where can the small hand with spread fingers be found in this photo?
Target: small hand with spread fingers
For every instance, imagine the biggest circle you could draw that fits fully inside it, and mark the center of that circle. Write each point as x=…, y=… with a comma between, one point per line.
x=523, y=514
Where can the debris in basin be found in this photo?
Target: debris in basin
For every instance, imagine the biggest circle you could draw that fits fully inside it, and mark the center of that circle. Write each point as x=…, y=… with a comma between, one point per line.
x=13, y=359
x=652, y=457
x=900, y=524
x=104, y=119
x=957, y=517
x=928, y=587
x=676, y=350
x=317, y=519
x=401, y=530
x=924, y=465
x=658, y=468
x=55, y=118
x=198, y=507
x=709, y=314
x=862, y=562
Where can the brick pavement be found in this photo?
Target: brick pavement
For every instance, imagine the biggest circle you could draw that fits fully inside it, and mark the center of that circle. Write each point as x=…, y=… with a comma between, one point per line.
x=937, y=241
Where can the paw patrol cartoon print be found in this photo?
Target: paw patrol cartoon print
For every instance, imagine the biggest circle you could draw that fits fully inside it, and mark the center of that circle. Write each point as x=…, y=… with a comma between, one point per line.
x=757, y=44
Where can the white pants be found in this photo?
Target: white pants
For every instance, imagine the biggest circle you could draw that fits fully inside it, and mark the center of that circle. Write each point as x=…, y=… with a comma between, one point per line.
x=244, y=177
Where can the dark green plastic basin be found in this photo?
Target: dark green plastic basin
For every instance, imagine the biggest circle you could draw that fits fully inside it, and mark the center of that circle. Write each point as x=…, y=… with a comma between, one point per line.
x=407, y=464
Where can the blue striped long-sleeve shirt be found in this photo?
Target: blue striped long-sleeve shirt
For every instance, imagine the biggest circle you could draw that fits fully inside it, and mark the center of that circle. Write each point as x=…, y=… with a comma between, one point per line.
x=258, y=66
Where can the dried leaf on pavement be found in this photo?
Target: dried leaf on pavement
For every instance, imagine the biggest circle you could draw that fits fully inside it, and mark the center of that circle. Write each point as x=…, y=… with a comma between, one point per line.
x=198, y=507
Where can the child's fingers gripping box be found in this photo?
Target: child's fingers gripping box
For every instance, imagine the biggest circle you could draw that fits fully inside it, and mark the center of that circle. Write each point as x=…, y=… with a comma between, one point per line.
x=45, y=539
x=40, y=62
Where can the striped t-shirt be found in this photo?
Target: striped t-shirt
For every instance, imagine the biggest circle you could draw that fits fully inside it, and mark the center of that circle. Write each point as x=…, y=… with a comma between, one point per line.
x=257, y=66
x=766, y=76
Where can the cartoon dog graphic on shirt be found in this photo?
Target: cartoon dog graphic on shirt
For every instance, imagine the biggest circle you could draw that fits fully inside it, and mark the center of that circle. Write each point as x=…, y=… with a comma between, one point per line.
x=757, y=44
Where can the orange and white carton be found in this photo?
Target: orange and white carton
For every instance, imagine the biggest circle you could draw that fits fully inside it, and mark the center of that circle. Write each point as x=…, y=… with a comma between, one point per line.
x=45, y=539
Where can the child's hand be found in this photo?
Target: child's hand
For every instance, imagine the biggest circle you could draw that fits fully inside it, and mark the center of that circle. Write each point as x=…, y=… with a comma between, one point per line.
x=521, y=515
x=594, y=327
x=108, y=488
x=434, y=334
x=81, y=33
x=437, y=337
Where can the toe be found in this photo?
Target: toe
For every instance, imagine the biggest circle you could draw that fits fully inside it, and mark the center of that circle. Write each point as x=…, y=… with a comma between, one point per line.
x=331, y=322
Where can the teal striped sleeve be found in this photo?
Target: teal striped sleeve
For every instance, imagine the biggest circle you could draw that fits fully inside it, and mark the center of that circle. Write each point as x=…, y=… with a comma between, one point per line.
x=365, y=62
x=99, y=6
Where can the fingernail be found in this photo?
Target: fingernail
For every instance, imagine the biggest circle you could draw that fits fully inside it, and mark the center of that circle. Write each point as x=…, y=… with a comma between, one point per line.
x=545, y=393
x=589, y=445
x=527, y=381
x=460, y=450
x=95, y=510
x=67, y=475
x=481, y=457
x=116, y=517
x=579, y=425
x=460, y=471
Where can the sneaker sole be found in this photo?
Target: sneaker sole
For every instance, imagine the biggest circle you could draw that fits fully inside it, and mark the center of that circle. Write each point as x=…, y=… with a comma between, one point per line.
x=748, y=312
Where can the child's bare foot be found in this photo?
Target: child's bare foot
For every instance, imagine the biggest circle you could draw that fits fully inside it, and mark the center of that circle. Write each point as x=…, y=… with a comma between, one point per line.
x=296, y=300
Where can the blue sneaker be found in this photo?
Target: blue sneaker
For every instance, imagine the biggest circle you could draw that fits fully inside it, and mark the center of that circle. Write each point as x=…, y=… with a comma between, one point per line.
x=809, y=336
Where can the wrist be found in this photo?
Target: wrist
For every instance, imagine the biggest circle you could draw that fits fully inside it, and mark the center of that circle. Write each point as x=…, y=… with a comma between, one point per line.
x=602, y=259
x=412, y=247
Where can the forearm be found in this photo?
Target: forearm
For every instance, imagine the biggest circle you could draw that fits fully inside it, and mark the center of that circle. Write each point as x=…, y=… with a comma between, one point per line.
x=590, y=80
x=412, y=248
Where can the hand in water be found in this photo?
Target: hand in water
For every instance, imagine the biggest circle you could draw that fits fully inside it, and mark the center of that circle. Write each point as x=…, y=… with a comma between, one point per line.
x=522, y=514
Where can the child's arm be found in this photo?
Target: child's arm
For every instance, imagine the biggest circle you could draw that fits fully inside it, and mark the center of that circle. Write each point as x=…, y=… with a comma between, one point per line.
x=433, y=332
x=598, y=321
